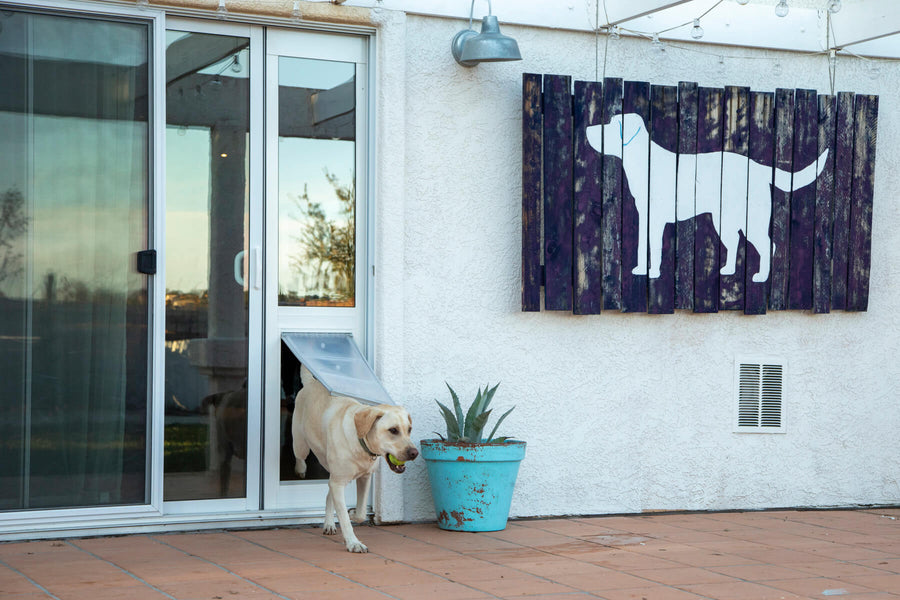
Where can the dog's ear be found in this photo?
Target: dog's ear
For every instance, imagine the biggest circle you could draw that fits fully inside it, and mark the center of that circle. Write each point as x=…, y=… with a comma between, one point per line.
x=631, y=125
x=365, y=419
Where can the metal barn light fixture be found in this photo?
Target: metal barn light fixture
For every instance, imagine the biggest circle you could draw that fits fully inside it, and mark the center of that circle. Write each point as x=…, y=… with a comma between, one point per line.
x=470, y=48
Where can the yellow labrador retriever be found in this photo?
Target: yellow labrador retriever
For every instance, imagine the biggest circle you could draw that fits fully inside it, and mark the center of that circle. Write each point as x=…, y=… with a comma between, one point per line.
x=348, y=438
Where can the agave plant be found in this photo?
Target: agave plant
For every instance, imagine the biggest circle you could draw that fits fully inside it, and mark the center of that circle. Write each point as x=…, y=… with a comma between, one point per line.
x=469, y=427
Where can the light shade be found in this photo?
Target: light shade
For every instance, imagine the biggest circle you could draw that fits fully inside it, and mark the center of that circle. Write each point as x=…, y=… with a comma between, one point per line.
x=490, y=45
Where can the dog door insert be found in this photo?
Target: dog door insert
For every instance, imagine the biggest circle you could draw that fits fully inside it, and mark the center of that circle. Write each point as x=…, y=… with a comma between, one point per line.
x=337, y=363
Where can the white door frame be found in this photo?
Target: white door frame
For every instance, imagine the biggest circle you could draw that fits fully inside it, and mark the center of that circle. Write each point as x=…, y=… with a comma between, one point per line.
x=300, y=495
x=252, y=500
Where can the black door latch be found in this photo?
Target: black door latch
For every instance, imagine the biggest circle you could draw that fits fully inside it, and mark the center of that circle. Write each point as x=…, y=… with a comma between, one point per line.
x=146, y=262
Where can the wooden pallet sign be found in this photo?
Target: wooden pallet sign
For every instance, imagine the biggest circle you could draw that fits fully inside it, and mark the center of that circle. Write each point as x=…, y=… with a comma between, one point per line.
x=648, y=198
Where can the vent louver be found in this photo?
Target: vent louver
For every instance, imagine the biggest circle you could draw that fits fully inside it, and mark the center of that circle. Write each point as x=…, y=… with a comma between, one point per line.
x=760, y=396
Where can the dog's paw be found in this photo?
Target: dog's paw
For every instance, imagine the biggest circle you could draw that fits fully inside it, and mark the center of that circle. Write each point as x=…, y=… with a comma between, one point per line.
x=329, y=529
x=357, y=547
x=357, y=518
x=300, y=469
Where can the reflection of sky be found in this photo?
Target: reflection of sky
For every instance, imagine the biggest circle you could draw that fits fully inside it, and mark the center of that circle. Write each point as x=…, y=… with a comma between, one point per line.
x=84, y=192
x=304, y=162
x=187, y=209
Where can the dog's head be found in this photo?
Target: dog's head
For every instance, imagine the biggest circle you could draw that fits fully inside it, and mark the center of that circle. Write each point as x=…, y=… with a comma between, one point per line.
x=619, y=132
x=386, y=430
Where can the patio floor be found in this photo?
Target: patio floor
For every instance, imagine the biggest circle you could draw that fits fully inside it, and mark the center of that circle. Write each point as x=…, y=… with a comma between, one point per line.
x=728, y=556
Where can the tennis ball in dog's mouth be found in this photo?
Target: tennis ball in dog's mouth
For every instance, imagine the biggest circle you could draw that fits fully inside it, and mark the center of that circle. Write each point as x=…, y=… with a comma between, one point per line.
x=395, y=461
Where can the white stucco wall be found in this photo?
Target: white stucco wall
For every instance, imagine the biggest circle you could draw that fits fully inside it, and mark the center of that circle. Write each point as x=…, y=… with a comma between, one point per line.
x=622, y=413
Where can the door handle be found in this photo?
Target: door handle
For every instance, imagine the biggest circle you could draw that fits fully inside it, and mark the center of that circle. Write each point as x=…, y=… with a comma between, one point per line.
x=256, y=272
x=239, y=268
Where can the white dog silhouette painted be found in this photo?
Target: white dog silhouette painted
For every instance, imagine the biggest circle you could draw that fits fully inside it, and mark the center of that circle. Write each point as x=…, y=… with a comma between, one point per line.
x=732, y=188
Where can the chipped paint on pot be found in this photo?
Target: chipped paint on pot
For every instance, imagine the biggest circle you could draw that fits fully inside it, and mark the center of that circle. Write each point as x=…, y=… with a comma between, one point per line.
x=472, y=484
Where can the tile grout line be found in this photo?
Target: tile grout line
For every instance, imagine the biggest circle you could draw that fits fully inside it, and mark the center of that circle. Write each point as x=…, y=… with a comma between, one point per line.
x=218, y=566
x=124, y=570
x=761, y=583
x=419, y=569
x=649, y=581
x=303, y=560
x=30, y=580
x=490, y=563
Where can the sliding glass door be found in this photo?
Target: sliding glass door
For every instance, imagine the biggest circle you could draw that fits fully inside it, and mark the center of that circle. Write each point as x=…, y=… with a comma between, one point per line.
x=212, y=287
x=74, y=137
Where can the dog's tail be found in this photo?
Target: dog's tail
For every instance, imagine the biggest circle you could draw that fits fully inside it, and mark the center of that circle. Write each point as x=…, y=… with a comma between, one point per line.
x=801, y=178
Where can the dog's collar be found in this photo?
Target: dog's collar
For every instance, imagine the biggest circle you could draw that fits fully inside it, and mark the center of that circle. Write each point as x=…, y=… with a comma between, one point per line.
x=362, y=442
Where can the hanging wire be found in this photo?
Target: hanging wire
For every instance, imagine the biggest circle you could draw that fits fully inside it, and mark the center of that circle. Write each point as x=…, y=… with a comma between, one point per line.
x=830, y=53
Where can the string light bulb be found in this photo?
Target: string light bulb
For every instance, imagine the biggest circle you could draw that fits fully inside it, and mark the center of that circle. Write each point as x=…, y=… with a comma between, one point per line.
x=834, y=6
x=697, y=31
x=236, y=66
x=221, y=10
x=295, y=12
x=782, y=8
x=657, y=44
x=614, y=32
x=143, y=4
x=874, y=70
x=832, y=59
x=742, y=2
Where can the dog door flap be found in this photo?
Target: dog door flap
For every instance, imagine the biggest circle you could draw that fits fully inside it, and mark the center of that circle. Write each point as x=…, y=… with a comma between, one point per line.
x=337, y=363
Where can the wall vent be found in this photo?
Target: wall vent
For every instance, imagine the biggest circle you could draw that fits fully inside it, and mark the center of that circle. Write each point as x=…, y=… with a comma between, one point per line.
x=759, y=387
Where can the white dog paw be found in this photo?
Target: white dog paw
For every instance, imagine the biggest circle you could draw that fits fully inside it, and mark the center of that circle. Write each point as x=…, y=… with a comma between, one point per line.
x=300, y=469
x=361, y=518
x=639, y=270
x=357, y=547
x=329, y=530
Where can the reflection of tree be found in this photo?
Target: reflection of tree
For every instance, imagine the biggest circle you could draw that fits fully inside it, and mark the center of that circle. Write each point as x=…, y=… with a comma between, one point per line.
x=13, y=224
x=329, y=246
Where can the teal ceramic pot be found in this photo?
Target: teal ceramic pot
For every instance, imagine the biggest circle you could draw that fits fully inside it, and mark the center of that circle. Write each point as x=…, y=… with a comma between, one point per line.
x=472, y=484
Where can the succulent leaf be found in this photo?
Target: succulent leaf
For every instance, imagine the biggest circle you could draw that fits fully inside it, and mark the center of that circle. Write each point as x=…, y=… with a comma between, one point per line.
x=497, y=424
x=452, y=424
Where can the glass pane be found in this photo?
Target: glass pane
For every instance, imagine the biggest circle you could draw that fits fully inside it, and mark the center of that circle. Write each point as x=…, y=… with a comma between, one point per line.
x=316, y=182
x=207, y=218
x=73, y=309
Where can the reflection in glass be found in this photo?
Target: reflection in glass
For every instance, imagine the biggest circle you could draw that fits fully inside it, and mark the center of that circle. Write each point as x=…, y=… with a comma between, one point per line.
x=316, y=182
x=207, y=112
x=73, y=308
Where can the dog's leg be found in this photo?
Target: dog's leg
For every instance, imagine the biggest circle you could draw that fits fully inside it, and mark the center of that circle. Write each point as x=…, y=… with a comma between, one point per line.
x=362, y=496
x=657, y=228
x=328, y=527
x=731, y=238
x=301, y=451
x=336, y=494
x=225, y=470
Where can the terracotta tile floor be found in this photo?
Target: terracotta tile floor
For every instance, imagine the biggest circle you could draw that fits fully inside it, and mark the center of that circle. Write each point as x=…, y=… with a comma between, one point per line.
x=725, y=556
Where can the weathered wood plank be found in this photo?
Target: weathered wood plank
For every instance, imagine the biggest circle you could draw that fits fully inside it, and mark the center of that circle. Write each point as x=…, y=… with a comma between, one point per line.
x=661, y=216
x=781, y=200
x=708, y=199
x=588, y=201
x=558, y=209
x=843, y=183
x=733, y=219
x=611, y=193
x=824, y=200
x=635, y=163
x=860, y=255
x=531, y=191
x=762, y=154
x=684, y=195
x=803, y=199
